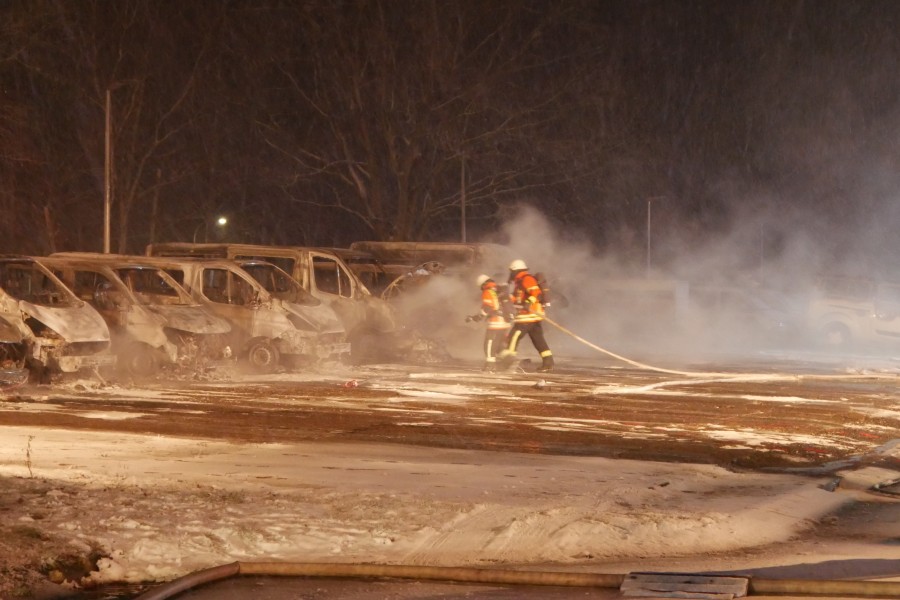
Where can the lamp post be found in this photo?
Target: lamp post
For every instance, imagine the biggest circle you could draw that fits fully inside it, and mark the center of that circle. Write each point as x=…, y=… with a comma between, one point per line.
x=462, y=198
x=649, y=203
x=107, y=172
x=108, y=163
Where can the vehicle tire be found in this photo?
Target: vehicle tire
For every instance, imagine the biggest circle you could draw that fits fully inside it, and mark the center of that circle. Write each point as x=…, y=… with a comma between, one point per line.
x=836, y=337
x=263, y=356
x=138, y=360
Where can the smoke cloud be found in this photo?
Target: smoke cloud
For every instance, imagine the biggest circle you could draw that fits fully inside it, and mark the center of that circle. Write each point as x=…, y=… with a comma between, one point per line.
x=747, y=289
x=750, y=286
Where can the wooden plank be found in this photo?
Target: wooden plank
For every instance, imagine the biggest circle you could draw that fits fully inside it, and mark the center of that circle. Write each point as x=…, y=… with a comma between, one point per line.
x=684, y=595
x=678, y=585
x=688, y=587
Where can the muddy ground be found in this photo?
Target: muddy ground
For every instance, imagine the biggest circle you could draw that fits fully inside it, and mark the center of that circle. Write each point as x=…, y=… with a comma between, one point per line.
x=797, y=417
x=804, y=418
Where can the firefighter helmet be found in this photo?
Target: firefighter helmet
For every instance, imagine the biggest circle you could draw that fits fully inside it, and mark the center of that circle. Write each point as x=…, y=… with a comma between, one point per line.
x=517, y=265
x=482, y=279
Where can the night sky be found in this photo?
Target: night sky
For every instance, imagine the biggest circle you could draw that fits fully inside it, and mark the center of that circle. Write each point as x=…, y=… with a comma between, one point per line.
x=766, y=127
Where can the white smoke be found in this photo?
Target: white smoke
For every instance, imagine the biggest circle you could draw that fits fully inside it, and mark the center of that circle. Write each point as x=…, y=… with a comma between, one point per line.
x=693, y=302
x=735, y=293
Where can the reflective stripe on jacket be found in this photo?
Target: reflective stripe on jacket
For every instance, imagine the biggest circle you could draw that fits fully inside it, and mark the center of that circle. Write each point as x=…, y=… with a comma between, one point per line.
x=490, y=307
x=526, y=296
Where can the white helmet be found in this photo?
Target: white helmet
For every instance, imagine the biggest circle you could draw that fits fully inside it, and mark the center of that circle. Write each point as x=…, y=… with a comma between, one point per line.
x=482, y=279
x=517, y=265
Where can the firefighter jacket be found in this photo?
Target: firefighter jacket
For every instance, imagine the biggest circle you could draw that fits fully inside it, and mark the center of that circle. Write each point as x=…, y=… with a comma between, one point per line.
x=526, y=296
x=491, y=307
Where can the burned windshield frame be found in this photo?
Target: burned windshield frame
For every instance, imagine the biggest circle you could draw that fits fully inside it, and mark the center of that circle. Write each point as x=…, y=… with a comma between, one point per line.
x=151, y=281
x=279, y=284
x=30, y=282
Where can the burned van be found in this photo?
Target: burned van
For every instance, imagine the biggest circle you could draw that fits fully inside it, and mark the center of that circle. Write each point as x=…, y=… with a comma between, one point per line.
x=153, y=321
x=44, y=326
x=12, y=341
x=268, y=328
x=15, y=343
x=371, y=324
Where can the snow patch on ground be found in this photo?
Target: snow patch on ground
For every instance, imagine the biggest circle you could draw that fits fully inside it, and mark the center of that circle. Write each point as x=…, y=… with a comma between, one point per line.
x=754, y=438
x=878, y=413
x=784, y=399
x=161, y=507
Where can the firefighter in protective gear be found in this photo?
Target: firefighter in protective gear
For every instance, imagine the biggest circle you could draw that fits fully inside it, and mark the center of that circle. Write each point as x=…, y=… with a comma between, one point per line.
x=497, y=325
x=527, y=297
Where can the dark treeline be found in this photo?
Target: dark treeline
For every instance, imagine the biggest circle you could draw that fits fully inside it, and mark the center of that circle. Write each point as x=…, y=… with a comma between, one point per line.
x=321, y=122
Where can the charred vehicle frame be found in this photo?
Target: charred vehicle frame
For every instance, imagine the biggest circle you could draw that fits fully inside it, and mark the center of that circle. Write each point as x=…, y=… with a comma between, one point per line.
x=153, y=321
x=44, y=327
x=371, y=323
x=267, y=326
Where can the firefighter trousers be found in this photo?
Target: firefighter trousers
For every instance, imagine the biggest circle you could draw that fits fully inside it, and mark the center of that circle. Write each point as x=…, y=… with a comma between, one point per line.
x=494, y=343
x=534, y=330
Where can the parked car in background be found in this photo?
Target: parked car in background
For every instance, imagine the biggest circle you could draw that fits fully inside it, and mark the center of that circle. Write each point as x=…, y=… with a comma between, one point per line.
x=855, y=313
x=268, y=328
x=43, y=326
x=372, y=326
x=153, y=321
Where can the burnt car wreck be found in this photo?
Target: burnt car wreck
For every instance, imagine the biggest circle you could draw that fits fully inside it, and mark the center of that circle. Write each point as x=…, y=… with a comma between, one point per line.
x=44, y=327
x=153, y=321
x=274, y=322
x=372, y=327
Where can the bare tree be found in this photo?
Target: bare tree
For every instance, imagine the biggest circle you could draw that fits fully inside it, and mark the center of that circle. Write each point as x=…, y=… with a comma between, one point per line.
x=401, y=107
x=143, y=56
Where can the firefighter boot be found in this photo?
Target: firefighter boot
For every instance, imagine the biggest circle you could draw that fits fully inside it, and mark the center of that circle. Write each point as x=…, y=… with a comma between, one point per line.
x=546, y=364
x=506, y=359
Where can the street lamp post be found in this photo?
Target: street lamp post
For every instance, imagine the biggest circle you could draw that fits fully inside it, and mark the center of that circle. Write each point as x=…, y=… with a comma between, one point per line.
x=649, y=203
x=462, y=198
x=108, y=164
x=107, y=173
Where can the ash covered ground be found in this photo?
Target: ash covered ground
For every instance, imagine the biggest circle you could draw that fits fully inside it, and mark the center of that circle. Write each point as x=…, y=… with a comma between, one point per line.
x=597, y=465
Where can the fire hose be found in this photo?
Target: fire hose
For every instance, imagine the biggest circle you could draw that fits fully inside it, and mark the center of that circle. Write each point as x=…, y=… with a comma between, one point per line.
x=723, y=375
x=832, y=588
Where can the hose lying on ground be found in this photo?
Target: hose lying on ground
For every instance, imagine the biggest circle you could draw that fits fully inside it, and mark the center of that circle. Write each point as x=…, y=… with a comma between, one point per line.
x=837, y=588
x=723, y=375
x=343, y=570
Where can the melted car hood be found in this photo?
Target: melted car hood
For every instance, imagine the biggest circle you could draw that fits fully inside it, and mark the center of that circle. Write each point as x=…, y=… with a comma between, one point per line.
x=321, y=317
x=192, y=318
x=73, y=323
